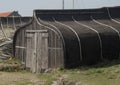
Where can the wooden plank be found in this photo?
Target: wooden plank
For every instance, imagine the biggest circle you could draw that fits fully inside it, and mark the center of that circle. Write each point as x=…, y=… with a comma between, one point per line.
x=39, y=53
x=33, y=57
x=20, y=47
x=30, y=50
x=20, y=51
x=55, y=48
x=44, y=51
x=25, y=40
x=28, y=54
x=49, y=52
x=45, y=31
x=23, y=46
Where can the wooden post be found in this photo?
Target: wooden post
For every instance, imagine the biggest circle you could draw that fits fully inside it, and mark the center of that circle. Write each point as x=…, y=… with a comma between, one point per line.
x=20, y=21
x=7, y=22
x=63, y=3
x=14, y=22
x=73, y=4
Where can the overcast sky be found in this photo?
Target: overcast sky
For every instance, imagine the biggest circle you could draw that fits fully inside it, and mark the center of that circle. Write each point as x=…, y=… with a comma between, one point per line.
x=26, y=7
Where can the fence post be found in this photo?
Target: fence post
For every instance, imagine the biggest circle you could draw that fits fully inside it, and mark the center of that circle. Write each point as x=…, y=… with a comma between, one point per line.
x=7, y=22
x=14, y=22
x=20, y=21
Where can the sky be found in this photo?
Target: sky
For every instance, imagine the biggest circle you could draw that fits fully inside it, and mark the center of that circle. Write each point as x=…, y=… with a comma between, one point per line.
x=26, y=7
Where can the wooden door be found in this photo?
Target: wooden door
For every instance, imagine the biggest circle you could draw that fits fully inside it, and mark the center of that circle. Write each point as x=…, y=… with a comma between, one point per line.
x=37, y=50
x=30, y=48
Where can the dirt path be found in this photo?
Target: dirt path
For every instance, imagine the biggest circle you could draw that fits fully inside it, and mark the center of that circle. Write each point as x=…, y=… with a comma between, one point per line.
x=18, y=78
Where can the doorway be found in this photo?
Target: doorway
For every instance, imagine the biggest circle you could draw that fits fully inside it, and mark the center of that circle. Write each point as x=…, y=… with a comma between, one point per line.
x=37, y=50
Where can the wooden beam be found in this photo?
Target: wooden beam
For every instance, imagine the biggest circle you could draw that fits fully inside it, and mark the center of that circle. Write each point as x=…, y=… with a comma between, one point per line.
x=20, y=47
x=37, y=31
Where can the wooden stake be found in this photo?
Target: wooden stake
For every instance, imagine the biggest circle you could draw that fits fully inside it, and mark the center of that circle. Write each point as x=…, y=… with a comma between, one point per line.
x=63, y=3
x=20, y=21
x=14, y=23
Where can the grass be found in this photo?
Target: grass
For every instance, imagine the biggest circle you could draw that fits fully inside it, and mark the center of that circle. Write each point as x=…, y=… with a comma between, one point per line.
x=104, y=73
x=11, y=65
x=47, y=78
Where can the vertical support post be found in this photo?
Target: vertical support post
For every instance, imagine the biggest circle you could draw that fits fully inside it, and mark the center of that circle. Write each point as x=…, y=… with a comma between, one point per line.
x=63, y=4
x=7, y=22
x=20, y=21
x=73, y=4
x=14, y=22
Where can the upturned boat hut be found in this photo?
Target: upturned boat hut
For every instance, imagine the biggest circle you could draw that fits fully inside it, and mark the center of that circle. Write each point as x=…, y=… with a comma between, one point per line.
x=68, y=38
